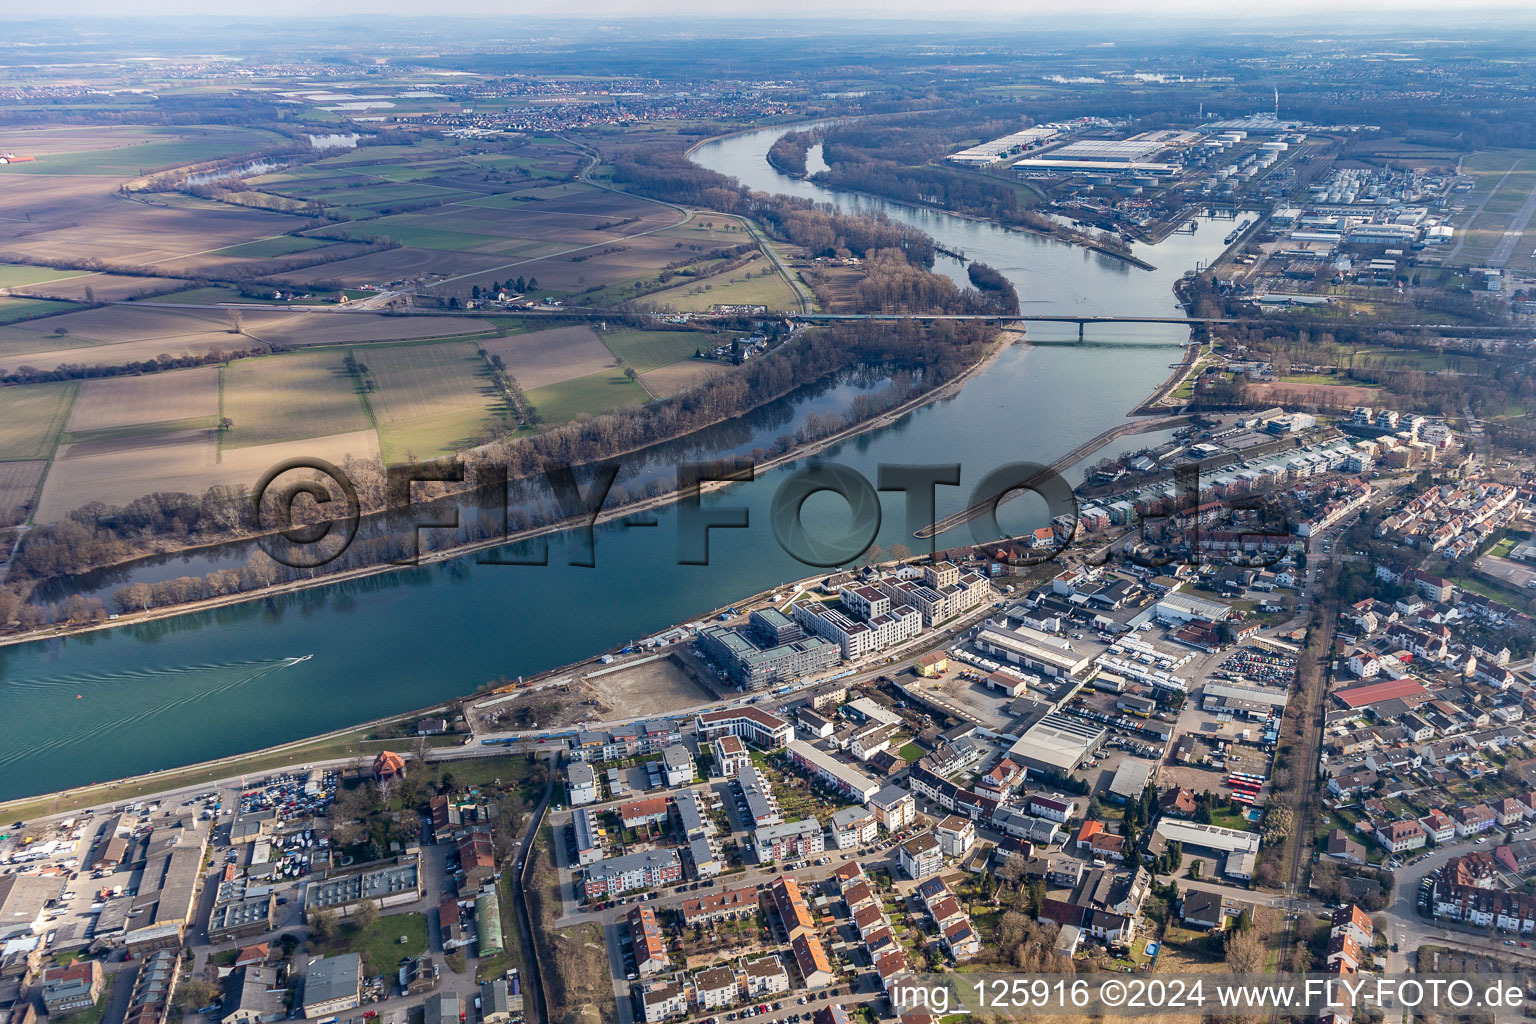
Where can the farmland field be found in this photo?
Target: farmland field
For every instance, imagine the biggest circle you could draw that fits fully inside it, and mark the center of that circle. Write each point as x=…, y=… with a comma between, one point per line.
x=266, y=248
x=13, y=275
x=558, y=403
x=679, y=377
x=31, y=418
x=151, y=398
x=186, y=461
x=289, y=397
x=431, y=399
x=84, y=287
x=13, y=309
x=333, y=328
x=548, y=357
x=747, y=285
x=127, y=152
x=18, y=488
x=649, y=350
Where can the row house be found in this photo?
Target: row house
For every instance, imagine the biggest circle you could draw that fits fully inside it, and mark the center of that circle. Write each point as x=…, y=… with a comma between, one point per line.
x=728, y=905
x=1473, y=820
x=794, y=914
x=953, y=923
x=643, y=812
x=1483, y=908
x=1354, y=923
x=645, y=935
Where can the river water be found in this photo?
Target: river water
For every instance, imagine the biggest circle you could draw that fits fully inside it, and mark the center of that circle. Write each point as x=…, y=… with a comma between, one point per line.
x=125, y=701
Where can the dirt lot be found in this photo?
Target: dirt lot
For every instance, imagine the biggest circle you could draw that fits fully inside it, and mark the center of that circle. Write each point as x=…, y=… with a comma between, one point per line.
x=153, y=398
x=1325, y=396
x=548, y=357
x=647, y=689
x=1506, y=571
x=1201, y=780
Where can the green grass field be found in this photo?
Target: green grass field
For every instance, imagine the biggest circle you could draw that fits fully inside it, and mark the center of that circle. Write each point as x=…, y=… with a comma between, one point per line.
x=290, y=397
x=379, y=944
x=744, y=286
x=265, y=248
x=382, y=193
x=14, y=275
x=14, y=309
x=558, y=403
x=1504, y=196
x=31, y=418
x=431, y=399
x=647, y=350
x=419, y=232
x=212, y=293
x=143, y=157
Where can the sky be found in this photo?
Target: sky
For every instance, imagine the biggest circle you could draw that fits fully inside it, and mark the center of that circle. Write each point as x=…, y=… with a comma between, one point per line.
x=1076, y=11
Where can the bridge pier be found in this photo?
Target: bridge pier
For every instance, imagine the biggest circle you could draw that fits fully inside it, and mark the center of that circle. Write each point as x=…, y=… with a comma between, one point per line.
x=1081, y=325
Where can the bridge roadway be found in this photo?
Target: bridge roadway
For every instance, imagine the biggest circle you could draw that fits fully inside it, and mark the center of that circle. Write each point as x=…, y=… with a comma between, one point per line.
x=375, y=306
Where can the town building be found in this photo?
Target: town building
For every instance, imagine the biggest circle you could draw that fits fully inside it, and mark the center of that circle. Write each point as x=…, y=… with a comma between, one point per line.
x=332, y=984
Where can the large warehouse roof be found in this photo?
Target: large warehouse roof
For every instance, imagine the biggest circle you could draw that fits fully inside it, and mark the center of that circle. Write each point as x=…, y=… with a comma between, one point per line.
x=1274, y=698
x=1057, y=743
x=1212, y=837
x=1375, y=693
x=1018, y=647
x=1131, y=778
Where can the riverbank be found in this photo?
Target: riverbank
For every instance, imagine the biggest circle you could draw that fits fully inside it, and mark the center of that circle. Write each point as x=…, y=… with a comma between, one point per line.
x=878, y=421
x=1081, y=241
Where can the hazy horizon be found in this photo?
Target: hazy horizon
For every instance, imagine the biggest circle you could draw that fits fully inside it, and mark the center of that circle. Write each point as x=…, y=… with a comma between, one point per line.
x=888, y=11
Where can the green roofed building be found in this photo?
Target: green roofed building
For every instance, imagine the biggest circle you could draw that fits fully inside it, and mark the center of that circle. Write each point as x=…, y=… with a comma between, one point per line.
x=488, y=938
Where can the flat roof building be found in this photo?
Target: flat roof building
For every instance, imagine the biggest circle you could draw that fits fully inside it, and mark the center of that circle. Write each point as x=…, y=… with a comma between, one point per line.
x=846, y=778
x=332, y=984
x=384, y=885
x=1057, y=744
x=1016, y=648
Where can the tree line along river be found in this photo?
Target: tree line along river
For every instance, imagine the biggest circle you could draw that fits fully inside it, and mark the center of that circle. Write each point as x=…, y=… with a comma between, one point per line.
x=135, y=699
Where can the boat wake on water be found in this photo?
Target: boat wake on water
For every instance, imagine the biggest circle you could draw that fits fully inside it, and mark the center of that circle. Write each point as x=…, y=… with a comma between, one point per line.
x=123, y=690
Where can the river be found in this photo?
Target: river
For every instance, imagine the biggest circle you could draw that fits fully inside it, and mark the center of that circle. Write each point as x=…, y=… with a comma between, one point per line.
x=125, y=701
